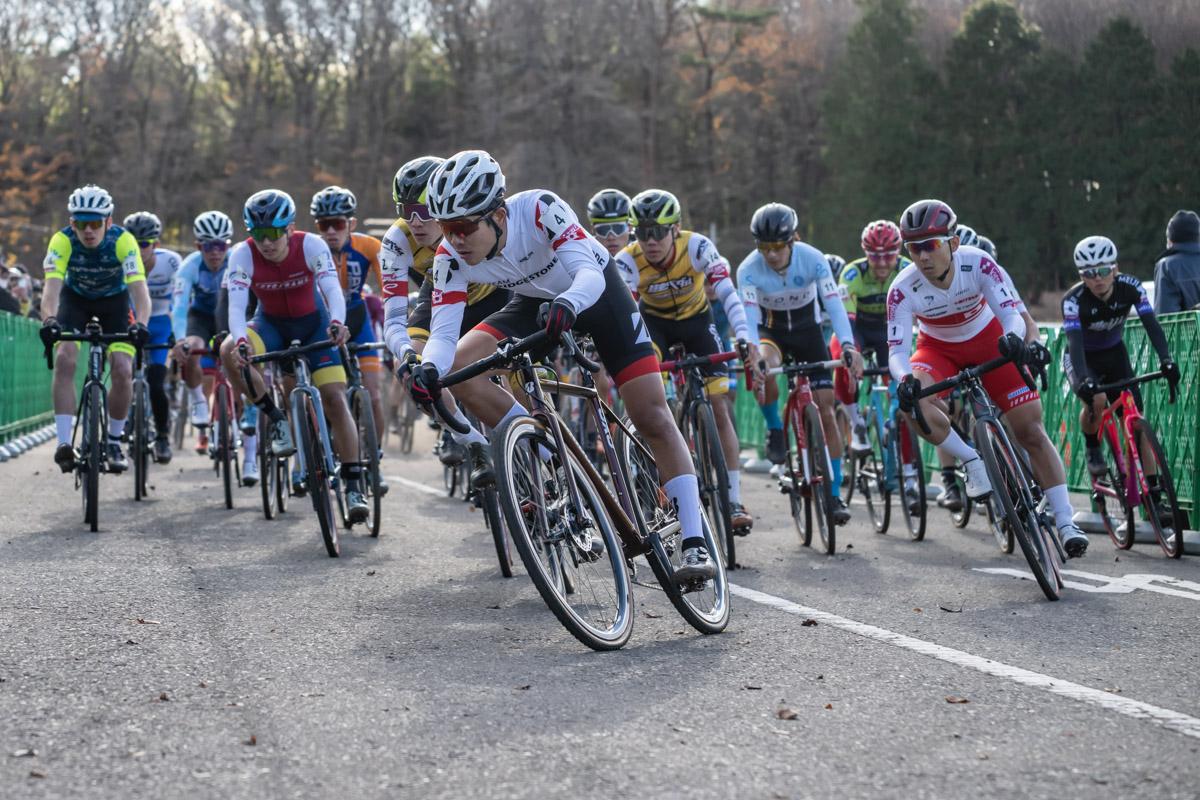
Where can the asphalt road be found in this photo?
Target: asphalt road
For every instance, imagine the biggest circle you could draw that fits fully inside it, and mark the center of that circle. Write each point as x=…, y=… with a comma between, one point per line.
x=189, y=651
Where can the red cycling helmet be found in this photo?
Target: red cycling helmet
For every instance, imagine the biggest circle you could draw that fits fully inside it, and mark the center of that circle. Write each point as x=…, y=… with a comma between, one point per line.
x=881, y=236
x=926, y=219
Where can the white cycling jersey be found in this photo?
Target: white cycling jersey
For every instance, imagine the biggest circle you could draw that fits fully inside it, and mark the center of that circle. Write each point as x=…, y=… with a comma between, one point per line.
x=978, y=293
x=546, y=254
x=161, y=280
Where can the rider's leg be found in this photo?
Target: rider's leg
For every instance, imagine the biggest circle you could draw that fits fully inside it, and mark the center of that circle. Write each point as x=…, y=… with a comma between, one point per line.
x=120, y=393
x=718, y=389
x=66, y=355
x=1026, y=423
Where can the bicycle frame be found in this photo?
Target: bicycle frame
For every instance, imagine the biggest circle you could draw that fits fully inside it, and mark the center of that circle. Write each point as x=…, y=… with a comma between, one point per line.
x=304, y=387
x=1136, y=484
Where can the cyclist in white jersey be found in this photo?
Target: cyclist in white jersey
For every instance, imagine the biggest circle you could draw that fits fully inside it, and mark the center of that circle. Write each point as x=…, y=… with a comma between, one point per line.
x=966, y=313
x=532, y=243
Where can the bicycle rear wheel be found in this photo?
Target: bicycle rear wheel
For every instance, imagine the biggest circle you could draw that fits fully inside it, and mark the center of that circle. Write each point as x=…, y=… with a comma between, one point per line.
x=794, y=484
x=494, y=520
x=961, y=517
x=849, y=461
x=913, y=520
x=92, y=448
x=819, y=501
x=1170, y=526
x=180, y=422
x=318, y=477
x=224, y=436
x=267, y=468
x=140, y=444
x=713, y=477
x=872, y=481
x=1008, y=484
x=1110, y=496
x=536, y=502
x=368, y=456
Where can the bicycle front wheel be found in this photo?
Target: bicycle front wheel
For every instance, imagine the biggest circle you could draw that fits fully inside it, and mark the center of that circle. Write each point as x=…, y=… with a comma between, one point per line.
x=267, y=468
x=495, y=521
x=556, y=540
x=819, y=501
x=1166, y=517
x=871, y=478
x=93, y=443
x=1008, y=485
x=713, y=477
x=224, y=444
x=914, y=520
x=317, y=474
x=368, y=456
x=141, y=445
x=1110, y=496
x=851, y=463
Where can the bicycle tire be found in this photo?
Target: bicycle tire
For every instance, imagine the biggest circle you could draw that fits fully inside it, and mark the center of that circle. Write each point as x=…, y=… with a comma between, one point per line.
x=1109, y=491
x=999, y=526
x=1169, y=538
x=879, y=508
x=843, y=425
x=317, y=476
x=94, y=444
x=267, y=470
x=820, y=497
x=450, y=479
x=530, y=495
x=224, y=436
x=368, y=457
x=140, y=450
x=961, y=517
x=1008, y=484
x=796, y=486
x=283, y=477
x=494, y=520
x=713, y=476
x=914, y=522
x=179, y=424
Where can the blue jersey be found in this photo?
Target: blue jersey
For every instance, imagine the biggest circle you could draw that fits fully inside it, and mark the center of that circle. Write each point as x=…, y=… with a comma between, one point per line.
x=198, y=287
x=789, y=301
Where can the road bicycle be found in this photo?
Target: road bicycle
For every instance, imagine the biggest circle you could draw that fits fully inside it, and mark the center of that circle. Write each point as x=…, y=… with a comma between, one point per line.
x=222, y=428
x=1020, y=500
x=694, y=416
x=1127, y=483
x=807, y=477
x=274, y=471
x=141, y=431
x=314, y=455
x=959, y=413
x=575, y=537
x=363, y=414
x=90, y=454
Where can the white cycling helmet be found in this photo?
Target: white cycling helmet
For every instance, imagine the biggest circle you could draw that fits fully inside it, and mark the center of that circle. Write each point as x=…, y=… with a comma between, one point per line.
x=90, y=202
x=212, y=225
x=1095, y=251
x=967, y=237
x=467, y=183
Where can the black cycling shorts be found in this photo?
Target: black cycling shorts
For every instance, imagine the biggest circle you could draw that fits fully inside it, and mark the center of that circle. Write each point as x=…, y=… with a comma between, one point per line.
x=421, y=309
x=803, y=345
x=699, y=337
x=114, y=313
x=1108, y=365
x=617, y=328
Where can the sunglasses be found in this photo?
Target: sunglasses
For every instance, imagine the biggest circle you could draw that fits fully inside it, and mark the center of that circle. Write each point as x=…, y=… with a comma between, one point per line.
x=213, y=246
x=461, y=227
x=87, y=224
x=772, y=247
x=1092, y=273
x=145, y=242
x=927, y=246
x=418, y=210
x=606, y=229
x=890, y=254
x=274, y=234
x=645, y=233
x=333, y=224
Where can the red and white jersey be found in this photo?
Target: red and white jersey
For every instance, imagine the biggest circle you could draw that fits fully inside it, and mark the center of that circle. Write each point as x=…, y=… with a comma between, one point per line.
x=979, y=292
x=546, y=254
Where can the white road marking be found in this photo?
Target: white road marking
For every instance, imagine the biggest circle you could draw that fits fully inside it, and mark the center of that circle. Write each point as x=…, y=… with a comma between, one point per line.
x=1107, y=584
x=1171, y=720
x=418, y=486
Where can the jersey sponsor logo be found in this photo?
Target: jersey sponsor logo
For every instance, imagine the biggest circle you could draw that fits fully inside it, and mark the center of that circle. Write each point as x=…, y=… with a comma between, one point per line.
x=571, y=234
x=639, y=328
x=283, y=285
x=895, y=297
x=506, y=284
x=719, y=272
x=701, y=246
x=392, y=247
x=671, y=286
x=441, y=298
x=1018, y=392
x=991, y=269
x=395, y=288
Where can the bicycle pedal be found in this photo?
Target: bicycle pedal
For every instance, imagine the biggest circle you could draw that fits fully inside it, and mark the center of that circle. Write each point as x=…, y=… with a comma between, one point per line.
x=699, y=585
x=741, y=530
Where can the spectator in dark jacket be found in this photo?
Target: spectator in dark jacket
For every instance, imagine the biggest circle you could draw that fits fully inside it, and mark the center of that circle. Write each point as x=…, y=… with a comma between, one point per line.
x=1177, y=272
x=8, y=303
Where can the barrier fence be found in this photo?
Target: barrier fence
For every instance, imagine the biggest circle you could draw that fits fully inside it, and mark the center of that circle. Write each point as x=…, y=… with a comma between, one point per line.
x=25, y=403
x=1178, y=425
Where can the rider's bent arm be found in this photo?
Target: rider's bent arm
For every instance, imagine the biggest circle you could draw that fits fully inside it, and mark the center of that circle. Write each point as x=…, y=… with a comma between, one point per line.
x=394, y=285
x=748, y=291
x=447, y=308
x=1001, y=298
x=240, y=274
x=849, y=298
x=900, y=321
x=320, y=260
x=716, y=271
x=181, y=300
x=833, y=304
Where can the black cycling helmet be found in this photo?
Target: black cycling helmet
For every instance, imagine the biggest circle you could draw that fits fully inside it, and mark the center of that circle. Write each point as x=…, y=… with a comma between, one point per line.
x=987, y=246
x=609, y=205
x=270, y=208
x=655, y=207
x=774, y=222
x=144, y=226
x=926, y=219
x=333, y=201
x=412, y=180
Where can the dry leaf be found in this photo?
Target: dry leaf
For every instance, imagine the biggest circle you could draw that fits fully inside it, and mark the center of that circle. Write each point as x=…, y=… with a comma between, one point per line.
x=252, y=741
x=916, y=609
x=1113, y=691
x=849, y=547
x=952, y=699
x=235, y=705
x=523, y=688
x=829, y=705
x=312, y=694
x=203, y=685
x=652, y=616
x=780, y=733
x=808, y=623
x=951, y=610
x=28, y=753
x=148, y=622
x=754, y=688
x=786, y=713
x=493, y=608
x=130, y=641
x=820, y=677
x=36, y=773
x=370, y=572
x=163, y=698
x=983, y=757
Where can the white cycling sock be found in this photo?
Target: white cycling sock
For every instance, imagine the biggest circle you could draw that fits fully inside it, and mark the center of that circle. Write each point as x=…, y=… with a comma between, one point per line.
x=197, y=393
x=852, y=413
x=1060, y=504
x=115, y=428
x=63, y=424
x=472, y=436
x=684, y=493
x=955, y=446
x=735, y=486
x=250, y=445
x=517, y=410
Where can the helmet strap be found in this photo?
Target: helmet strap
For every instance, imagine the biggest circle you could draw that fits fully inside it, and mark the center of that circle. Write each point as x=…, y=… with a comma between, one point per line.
x=942, y=277
x=667, y=261
x=498, y=232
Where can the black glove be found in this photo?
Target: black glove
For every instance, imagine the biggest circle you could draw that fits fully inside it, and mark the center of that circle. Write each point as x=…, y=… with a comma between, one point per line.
x=334, y=329
x=426, y=386
x=139, y=336
x=1013, y=348
x=1086, y=390
x=906, y=393
x=408, y=365
x=50, y=331
x=1039, y=354
x=1170, y=371
x=560, y=319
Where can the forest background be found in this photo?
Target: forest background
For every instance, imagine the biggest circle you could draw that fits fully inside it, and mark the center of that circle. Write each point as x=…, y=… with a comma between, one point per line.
x=1040, y=122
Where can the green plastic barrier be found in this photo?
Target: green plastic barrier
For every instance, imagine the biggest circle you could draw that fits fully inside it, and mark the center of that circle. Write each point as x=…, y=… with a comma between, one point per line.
x=25, y=402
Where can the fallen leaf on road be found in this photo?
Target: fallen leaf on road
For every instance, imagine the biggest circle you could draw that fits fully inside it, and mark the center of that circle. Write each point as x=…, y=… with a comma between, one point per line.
x=951, y=610
x=36, y=773
x=952, y=699
x=849, y=547
x=820, y=677
x=829, y=705
x=130, y=641
x=203, y=685
x=808, y=623
x=235, y=705
x=370, y=572
x=493, y=608
x=162, y=698
x=652, y=616
x=917, y=609
x=148, y=621
x=786, y=713
x=780, y=733
x=312, y=694
x=754, y=688
x=1113, y=691
x=252, y=741
x=28, y=753
x=523, y=688
x=983, y=757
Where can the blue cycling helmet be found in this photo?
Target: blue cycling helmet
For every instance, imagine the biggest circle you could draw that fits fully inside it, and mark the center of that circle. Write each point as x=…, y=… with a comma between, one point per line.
x=270, y=208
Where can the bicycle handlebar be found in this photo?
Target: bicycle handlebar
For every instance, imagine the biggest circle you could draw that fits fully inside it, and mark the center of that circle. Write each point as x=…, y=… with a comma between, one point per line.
x=968, y=373
x=1129, y=383
x=696, y=361
x=805, y=369
x=92, y=335
x=292, y=352
x=354, y=347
